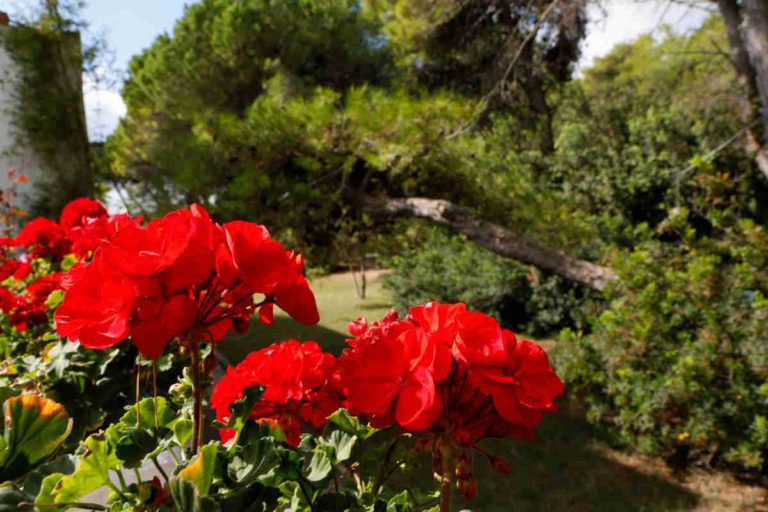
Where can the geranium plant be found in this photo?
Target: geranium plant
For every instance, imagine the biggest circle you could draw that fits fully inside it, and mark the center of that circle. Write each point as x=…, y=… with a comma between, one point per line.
x=299, y=428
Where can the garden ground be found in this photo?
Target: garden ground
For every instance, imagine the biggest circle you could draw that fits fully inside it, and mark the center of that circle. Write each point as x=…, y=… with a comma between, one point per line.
x=568, y=468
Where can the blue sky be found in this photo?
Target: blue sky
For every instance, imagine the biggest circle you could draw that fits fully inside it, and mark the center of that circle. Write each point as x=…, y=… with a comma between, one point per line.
x=131, y=25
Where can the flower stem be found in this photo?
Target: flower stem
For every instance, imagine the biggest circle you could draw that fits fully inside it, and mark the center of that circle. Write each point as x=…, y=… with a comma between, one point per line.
x=160, y=469
x=122, y=479
x=380, y=477
x=154, y=391
x=85, y=506
x=197, y=412
x=174, y=457
x=446, y=485
x=445, y=489
x=138, y=389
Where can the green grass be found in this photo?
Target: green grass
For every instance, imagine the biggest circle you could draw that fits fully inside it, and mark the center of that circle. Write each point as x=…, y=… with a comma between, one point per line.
x=338, y=304
x=568, y=468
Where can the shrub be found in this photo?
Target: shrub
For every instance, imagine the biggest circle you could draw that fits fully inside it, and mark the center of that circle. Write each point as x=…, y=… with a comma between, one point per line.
x=447, y=268
x=676, y=364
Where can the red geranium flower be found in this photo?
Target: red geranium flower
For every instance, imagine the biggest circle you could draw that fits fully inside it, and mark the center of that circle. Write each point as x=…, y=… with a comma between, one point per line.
x=44, y=239
x=9, y=268
x=393, y=378
x=97, y=305
x=182, y=276
x=266, y=267
x=81, y=212
x=7, y=300
x=295, y=378
x=452, y=373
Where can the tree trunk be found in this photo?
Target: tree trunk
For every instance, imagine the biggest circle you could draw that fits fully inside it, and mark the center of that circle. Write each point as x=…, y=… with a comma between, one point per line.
x=754, y=32
x=537, y=100
x=730, y=11
x=493, y=237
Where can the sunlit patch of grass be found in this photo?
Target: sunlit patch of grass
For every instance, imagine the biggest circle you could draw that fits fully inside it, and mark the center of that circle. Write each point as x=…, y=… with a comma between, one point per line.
x=338, y=304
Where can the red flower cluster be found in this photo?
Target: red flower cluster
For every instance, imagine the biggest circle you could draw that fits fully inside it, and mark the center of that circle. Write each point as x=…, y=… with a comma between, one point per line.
x=446, y=368
x=452, y=373
x=29, y=308
x=83, y=226
x=298, y=390
x=179, y=276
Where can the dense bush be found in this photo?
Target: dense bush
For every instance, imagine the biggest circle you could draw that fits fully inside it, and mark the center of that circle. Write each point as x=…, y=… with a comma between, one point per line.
x=446, y=267
x=676, y=364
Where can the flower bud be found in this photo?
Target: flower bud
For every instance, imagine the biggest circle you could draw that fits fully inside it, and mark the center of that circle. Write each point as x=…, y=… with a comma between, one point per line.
x=241, y=324
x=471, y=488
x=500, y=465
x=463, y=438
x=463, y=466
x=462, y=485
x=437, y=463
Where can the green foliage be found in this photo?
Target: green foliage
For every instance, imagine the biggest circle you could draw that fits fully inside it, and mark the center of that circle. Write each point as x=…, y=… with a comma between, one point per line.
x=676, y=363
x=641, y=116
x=446, y=268
x=255, y=471
x=34, y=428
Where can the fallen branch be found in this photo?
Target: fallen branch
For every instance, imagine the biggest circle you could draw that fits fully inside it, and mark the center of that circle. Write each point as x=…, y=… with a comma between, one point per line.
x=493, y=237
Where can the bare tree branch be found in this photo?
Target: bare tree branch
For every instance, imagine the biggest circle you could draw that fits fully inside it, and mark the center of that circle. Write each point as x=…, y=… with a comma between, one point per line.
x=493, y=237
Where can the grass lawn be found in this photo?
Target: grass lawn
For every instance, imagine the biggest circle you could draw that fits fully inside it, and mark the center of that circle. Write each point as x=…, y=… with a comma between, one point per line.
x=338, y=304
x=568, y=468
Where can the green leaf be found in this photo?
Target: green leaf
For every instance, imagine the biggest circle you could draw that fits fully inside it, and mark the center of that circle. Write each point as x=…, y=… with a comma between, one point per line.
x=320, y=465
x=399, y=503
x=11, y=497
x=34, y=428
x=92, y=472
x=182, y=431
x=133, y=444
x=165, y=413
x=5, y=394
x=203, y=469
x=64, y=465
x=47, y=488
x=241, y=409
x=67, y=262
x=258, y=461
x=186, y=499
x=54, y=299
x=342, y=444
x=332, y=502
x=292, y=498
x=351, y=424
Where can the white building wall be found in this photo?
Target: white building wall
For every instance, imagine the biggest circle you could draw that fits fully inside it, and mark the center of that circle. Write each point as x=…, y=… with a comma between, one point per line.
x=22, y=158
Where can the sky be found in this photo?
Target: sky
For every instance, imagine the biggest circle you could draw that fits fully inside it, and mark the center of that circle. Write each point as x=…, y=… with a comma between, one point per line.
x=129, y=26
